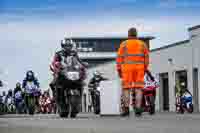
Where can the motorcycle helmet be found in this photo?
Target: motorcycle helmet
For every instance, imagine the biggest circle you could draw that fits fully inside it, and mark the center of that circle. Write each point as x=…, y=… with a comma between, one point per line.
x=67, y=45
x=183, y=84
x=30, y=75
x=18, y=85
x=96, y=73
x=10, y=92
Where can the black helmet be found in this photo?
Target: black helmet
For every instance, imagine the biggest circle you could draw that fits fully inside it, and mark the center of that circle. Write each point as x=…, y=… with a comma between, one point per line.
x=18, y=85
x=67, y=44
x=30, y=75
x=10, y=92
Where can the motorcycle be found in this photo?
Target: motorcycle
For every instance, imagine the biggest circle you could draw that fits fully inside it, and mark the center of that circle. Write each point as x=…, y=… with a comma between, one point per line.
x=95, y=94
x=10, y=105
x=1, y=105
x=185, y=104
x=19, y=102
x=69, y=90
x=46, y=106
x=31, y=92
x=149, y=94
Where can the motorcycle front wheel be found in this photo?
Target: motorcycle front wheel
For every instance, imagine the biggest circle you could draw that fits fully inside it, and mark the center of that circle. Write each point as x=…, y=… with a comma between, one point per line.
x=31, y=105
x=191, y=109
x=151, y=105
x=97, y=104
x=62, y=103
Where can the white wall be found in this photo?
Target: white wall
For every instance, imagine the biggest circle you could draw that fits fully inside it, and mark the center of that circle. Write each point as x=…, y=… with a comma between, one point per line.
x=181, y=56
x=195, y=42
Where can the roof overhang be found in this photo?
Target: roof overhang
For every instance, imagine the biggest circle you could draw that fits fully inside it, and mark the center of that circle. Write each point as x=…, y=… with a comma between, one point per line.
x=110, y=38
x=194, y=28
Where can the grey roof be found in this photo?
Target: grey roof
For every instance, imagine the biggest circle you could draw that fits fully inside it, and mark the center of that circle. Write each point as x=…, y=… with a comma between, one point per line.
x=194, y=27
x=112, y=37
x=171, y=45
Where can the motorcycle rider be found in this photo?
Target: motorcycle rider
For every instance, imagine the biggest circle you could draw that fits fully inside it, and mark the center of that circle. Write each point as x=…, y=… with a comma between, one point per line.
x=30, y=77
x=9, y=95
x=18, y=97
x=94, y=83
x=9, y=100
x=68, y=49
x=97, y=78
x=63, y=58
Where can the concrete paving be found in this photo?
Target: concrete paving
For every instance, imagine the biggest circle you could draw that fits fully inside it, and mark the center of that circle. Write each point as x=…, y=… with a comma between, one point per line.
x=89, y=123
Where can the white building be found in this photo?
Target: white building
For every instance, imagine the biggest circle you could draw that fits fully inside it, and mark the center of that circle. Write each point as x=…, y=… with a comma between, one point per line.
x=179, y=60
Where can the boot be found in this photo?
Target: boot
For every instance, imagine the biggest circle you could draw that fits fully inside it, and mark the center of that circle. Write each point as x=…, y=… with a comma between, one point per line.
x=125, y=112
x=138, y=112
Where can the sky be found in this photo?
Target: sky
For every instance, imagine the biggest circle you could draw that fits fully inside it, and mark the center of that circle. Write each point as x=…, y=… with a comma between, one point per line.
x=31, y=30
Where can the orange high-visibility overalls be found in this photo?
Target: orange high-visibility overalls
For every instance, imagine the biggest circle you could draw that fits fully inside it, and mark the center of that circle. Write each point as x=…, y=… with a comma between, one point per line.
x=132, y=61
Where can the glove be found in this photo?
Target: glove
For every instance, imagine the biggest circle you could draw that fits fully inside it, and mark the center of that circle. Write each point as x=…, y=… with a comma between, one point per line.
x=119, y=73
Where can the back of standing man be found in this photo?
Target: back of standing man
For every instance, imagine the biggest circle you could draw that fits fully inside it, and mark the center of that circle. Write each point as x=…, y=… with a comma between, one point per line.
x=132, y=62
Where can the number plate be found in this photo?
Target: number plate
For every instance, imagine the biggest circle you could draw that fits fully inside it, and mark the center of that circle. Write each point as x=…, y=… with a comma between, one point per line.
x=73, y=75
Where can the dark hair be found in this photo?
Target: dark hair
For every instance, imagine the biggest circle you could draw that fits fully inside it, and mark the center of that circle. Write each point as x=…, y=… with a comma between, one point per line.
x=132, y=32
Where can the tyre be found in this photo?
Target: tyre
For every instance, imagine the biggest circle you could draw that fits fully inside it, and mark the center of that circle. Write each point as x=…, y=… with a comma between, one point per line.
x=63, y=114
x=31, y=110
x=62, y=103
x=75, y=105
x=1, y=109
x=97, y=108
x=63, y=110
x=191, y=109
x=31, y=105
x=73, y=115
x=181, y=110
x=152, y=110
x=152, y=105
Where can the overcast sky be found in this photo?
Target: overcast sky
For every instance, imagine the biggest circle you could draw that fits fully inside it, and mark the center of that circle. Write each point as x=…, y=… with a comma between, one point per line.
x=31, y=30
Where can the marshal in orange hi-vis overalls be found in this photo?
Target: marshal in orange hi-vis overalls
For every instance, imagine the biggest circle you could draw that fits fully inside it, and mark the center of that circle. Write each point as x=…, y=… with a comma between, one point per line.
x=132, y=61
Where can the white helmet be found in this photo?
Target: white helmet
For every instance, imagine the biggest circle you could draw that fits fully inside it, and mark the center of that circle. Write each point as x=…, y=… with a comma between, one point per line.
x=97, y=73
x=68, y=43
x=183, y=84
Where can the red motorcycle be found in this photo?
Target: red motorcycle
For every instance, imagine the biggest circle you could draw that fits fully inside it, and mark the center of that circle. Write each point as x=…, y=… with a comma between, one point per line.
x=149, y=94
x=45, y=105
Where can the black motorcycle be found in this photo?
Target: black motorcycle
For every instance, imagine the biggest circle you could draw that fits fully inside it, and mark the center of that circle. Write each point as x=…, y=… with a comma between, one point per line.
x=19, y=102
x=69, y=89
x=31, y=92
x=95, y=94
